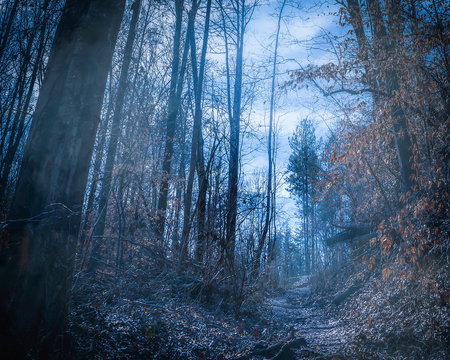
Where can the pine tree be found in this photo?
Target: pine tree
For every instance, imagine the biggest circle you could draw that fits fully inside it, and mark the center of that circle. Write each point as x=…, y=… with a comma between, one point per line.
x=303, y=170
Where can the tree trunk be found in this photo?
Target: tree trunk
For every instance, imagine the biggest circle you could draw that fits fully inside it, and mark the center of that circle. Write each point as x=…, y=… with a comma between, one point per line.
x=193, y=157
x=96, y=166
x=233, y=169
x=197, y=158
x=114, y=140
x=172, y=112
x=382, y=47
x=262, y=238
x=37, y=264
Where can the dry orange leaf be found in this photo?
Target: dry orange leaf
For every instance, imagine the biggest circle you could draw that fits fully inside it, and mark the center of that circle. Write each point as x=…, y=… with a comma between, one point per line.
x=386, y=274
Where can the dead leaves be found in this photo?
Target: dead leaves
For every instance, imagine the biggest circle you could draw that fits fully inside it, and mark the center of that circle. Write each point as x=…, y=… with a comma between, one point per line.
x=386, y=274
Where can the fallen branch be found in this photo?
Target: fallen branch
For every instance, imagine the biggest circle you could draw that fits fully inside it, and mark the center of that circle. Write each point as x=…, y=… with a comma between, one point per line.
x=340, y=298
x=350, y=234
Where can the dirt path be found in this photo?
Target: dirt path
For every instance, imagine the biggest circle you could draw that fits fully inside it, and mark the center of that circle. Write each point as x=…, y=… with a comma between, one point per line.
x=322, y=333
x=288, y=327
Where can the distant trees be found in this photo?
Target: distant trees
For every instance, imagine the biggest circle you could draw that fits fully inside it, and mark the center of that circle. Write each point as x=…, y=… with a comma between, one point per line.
x=26, y=33
x=304, y=168
x=186, y=209
x=114, y=139
x=387, y=164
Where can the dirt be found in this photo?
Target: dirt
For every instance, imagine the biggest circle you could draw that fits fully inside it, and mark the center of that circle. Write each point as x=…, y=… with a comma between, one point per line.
x=310, y=320
x=286, y=325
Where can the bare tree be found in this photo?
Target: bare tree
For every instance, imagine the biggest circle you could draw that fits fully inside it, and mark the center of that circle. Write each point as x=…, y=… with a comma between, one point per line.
x=262, y=238
x=197, y=157
x=114, y=140
x=176, y=81
x=242, y=13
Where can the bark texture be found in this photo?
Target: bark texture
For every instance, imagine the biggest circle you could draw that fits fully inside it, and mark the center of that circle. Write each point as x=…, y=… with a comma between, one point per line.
x=37, y=258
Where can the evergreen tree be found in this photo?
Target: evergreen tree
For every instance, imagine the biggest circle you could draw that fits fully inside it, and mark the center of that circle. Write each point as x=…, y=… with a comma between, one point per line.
x=303, y=170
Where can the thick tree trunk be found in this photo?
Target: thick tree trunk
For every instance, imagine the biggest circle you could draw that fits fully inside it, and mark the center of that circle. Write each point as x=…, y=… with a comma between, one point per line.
x=37, y=262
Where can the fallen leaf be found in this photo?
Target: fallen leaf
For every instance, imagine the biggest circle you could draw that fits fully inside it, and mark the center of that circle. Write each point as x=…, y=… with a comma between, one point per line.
x=386, y=274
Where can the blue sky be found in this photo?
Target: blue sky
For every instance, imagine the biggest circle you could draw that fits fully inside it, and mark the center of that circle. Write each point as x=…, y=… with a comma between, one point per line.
x=304, y=23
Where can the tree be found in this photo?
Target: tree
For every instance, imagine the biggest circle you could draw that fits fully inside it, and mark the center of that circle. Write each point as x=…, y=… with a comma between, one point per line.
x=242, y=13
x=45, y=214
x=6, y=26
x=197, y=156
x=303, y=170
x=176, y=83
x=269, y=194
x=114, y=140
x=383, y=47
x=27, y=52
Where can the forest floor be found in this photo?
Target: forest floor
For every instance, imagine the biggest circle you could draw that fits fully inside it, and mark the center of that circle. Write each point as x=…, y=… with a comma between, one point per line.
x=282, y=324
x=173, y=319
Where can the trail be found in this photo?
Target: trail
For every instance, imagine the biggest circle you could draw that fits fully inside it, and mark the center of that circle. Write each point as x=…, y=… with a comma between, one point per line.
x=289, y=326
x=323, y=334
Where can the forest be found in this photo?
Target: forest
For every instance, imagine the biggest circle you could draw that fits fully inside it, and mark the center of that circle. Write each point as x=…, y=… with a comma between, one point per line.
x=224, y=179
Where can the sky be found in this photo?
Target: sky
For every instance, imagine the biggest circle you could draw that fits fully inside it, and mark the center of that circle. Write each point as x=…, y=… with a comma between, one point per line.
x=303, y=25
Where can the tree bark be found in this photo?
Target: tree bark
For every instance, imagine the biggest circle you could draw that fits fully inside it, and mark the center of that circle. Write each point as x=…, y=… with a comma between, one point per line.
x=383, y=48
x=37, y=262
